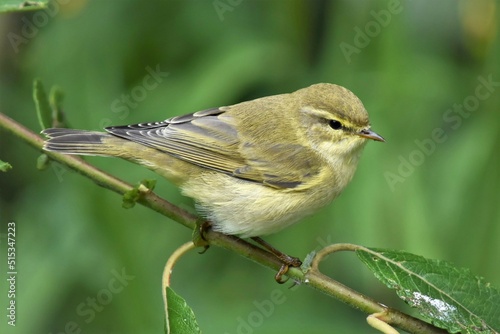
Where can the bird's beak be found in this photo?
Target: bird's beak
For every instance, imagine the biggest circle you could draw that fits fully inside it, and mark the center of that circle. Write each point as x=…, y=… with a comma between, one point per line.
x=369, y=134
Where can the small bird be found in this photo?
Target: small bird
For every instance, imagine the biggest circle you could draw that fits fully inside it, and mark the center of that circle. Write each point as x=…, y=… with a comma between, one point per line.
x=252, y=168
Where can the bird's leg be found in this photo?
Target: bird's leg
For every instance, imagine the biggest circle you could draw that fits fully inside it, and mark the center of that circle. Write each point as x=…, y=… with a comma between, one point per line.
x=203, y=228
x=287, y=260
x=199, y=238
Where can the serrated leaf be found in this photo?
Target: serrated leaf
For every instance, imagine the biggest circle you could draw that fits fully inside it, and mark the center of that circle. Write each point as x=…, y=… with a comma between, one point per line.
x=43, y=109
x=180, y=317
x=451, y=298
x=4, y=166
x=9, y=6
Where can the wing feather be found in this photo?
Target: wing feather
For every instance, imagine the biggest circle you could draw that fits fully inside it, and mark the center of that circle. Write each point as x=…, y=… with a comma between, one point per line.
x=209, y=139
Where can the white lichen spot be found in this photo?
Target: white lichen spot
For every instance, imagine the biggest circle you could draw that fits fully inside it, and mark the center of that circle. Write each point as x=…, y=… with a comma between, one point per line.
x=443, y=310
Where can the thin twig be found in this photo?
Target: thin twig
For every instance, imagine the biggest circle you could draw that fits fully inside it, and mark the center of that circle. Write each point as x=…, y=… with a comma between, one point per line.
x=167, y=271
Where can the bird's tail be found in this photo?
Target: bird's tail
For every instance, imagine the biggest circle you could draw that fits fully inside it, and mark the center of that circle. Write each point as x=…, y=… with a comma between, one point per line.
x=82, y=142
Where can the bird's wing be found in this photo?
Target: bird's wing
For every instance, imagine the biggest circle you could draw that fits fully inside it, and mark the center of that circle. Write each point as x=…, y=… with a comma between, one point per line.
x=210, y=140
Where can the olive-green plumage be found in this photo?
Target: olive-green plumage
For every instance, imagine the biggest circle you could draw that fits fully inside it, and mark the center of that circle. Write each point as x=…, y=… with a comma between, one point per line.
x=253, y=168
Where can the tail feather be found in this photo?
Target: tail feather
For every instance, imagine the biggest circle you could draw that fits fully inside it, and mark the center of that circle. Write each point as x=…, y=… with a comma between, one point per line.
x=71, y=141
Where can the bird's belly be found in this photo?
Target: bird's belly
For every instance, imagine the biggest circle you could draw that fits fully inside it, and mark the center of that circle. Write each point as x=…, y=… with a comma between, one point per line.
x=249, y=209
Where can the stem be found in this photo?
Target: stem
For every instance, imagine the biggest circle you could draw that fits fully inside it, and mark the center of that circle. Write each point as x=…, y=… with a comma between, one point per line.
x=313, y=277
x=169, y=266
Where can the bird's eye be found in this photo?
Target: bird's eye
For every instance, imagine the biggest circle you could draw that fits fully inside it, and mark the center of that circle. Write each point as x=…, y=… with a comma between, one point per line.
x=334, y=124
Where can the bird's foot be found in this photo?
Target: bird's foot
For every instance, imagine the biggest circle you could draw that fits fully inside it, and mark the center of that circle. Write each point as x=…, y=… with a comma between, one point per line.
x=199, y=233
x=287, y=261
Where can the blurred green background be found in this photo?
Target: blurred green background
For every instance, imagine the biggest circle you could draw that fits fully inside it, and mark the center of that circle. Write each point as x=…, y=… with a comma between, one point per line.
x=412, y=63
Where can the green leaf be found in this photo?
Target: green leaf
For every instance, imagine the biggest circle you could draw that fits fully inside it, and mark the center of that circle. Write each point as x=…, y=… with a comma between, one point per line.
x=306, y=264
x=133, y=195
x=451, y=298
x=43, y=109
x=147, y=185
x=56, y=98
x=129, y=198
x=180, y=317
x=4, y=166
x=9, y=6
x=42, y=162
